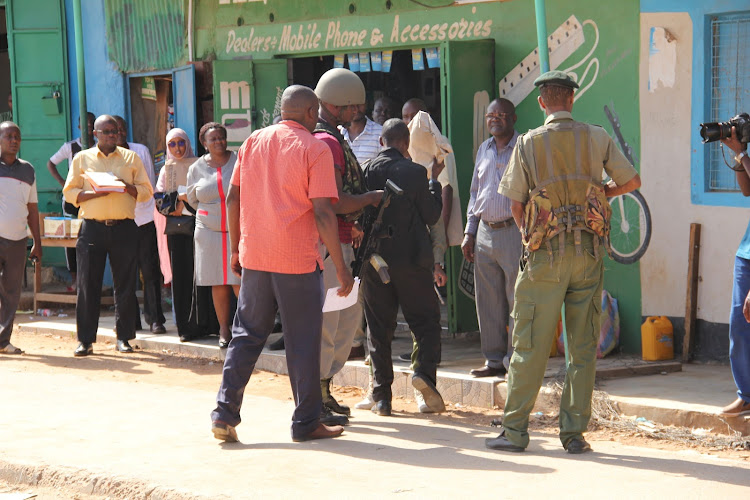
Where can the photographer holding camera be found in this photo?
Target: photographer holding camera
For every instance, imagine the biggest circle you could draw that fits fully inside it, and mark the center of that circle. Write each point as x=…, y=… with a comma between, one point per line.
x=739, y=317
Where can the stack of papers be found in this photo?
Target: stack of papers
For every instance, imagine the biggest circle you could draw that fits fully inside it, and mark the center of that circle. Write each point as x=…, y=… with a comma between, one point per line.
x=104, y=182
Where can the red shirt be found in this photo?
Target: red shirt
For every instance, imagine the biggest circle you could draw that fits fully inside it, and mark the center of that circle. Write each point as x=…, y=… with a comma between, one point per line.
x=279, y=170
x=345, y=228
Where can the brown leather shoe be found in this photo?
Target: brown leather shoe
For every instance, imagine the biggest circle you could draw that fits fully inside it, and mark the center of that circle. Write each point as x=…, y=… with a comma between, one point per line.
x=224, y=432
x=321, y=432
x=487, y=371
x=736, y=409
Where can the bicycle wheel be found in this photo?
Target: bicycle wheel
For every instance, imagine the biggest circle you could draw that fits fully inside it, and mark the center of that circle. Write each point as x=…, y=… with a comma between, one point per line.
x=630, y=231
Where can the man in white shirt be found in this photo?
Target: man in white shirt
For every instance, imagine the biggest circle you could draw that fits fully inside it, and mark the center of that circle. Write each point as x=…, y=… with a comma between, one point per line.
x=363, y=135
x=148, y=252
x=67, y=152
x=18, y=208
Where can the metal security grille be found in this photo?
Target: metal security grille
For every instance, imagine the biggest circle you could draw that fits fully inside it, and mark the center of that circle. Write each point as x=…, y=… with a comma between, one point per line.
x=730, y=88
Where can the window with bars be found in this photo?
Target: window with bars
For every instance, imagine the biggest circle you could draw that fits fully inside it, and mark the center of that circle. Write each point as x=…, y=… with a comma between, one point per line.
x=730, y=89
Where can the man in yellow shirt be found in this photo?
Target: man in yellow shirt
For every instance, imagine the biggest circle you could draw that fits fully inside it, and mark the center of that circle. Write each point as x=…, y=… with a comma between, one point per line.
x=108, y=229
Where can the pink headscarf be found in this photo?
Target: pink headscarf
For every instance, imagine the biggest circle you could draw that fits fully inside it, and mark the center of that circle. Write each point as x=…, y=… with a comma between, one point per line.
x=178, y=132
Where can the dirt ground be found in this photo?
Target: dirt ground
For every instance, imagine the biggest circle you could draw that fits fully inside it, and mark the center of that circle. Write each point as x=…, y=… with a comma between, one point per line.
x=23, y=492
x=162, y=369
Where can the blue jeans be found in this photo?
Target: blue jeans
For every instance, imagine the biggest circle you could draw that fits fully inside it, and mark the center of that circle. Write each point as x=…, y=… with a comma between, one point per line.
x=739, y=330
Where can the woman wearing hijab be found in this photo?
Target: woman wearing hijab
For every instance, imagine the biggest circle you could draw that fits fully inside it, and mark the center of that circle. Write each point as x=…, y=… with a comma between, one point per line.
x=179, y=227
x=207, y=186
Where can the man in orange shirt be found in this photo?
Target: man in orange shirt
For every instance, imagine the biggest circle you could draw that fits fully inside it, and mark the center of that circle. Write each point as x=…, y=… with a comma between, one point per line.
x=279, y=206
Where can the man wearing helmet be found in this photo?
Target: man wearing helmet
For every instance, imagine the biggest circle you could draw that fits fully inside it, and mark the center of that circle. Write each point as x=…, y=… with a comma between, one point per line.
x=340, y=92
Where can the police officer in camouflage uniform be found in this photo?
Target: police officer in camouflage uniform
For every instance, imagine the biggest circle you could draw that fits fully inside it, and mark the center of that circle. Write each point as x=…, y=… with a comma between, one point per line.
x=554, y=180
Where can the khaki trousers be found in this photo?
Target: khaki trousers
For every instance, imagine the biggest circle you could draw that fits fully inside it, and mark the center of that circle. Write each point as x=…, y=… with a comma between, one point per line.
x=339, y=327
x=541, y=289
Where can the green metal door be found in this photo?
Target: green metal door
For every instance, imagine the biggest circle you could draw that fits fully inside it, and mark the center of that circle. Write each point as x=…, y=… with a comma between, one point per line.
x=247, y=95
x=468, y=82
x=39, y=78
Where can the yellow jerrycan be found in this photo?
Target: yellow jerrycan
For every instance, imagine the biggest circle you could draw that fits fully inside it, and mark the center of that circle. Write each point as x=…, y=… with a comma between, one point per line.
x=657, y=339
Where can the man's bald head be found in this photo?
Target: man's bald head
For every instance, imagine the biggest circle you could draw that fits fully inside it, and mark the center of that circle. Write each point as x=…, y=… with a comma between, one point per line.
x=102, y=120
x=297, y=98
x=395, y=135
x=300, y=104
x=10, y=141
x=107, y=133
x=411, y=108
x=8, y=126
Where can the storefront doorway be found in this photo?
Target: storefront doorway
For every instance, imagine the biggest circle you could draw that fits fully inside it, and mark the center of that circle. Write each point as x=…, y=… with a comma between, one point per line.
x=247, y=95
x=158, y=102
x=401, y=83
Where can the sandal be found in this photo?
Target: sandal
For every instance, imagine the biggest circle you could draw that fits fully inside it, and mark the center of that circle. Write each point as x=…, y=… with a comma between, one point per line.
x=11, y=349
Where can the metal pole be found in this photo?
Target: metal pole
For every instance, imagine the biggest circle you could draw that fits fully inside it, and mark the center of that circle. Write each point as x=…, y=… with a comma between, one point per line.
x=82, y=107
x=541, y=39
x=541, y=35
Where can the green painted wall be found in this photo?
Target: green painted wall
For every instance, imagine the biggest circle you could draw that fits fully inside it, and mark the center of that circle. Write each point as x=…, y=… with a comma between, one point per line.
x=145, y=35
x=599, y=44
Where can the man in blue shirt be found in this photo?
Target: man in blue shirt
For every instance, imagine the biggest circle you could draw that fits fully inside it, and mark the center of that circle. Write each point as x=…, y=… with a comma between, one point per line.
x=492, y=240
x=739, y=316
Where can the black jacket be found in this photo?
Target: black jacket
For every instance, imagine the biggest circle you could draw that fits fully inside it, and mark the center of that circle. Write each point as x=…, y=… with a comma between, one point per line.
x=410, y=214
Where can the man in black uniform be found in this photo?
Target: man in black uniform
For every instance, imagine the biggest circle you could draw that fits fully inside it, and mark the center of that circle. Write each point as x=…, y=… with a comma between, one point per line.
x=409, y=256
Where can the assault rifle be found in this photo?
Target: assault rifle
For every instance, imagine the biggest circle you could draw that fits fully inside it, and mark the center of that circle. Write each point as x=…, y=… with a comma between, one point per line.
x=374, y=232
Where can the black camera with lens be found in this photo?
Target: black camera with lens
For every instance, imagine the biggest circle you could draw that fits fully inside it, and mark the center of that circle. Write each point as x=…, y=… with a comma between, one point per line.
x=711, y=132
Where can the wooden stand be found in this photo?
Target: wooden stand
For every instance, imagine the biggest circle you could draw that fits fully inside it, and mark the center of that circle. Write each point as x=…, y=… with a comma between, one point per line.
x=691, y=301
x=59, y=298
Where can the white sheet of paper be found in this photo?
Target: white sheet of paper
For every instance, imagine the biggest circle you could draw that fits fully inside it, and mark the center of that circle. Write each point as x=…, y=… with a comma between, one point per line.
x=181, y=189
x=335, y=303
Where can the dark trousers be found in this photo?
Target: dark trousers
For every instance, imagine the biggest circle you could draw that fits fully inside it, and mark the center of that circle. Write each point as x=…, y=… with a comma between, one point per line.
x=299, y=299
x=148, y=263
x=95, y=242
x=182, y=257
x=12, y=267
x=411, y=288
x=70, y=210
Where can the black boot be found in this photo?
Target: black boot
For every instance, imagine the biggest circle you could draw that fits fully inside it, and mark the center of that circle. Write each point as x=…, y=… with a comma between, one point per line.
x=327, y=417
x=329, y=401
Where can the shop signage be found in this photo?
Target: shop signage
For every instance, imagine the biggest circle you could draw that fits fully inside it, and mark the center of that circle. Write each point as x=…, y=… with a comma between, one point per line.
x=355, y=33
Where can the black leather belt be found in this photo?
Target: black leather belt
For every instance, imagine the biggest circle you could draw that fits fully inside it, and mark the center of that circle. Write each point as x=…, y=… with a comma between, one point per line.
x=500, y=224
x=110, y=222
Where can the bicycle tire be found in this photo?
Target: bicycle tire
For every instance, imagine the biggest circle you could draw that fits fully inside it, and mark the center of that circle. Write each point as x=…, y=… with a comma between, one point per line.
x=635, y=255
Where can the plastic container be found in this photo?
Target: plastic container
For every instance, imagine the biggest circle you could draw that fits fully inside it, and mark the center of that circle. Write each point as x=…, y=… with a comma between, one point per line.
x=657, y=339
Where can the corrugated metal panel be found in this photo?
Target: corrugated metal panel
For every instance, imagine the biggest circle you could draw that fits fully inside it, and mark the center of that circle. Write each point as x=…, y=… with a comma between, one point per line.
x=144, y=35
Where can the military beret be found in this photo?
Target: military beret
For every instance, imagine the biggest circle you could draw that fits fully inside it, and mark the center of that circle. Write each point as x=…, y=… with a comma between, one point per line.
x=559, y=78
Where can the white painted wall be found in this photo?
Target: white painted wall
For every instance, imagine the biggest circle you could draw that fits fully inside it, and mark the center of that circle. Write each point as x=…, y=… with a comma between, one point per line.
x=665, y=172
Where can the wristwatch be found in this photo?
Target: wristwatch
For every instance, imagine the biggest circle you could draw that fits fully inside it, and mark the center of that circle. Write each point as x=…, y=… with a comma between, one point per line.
x=740, y=156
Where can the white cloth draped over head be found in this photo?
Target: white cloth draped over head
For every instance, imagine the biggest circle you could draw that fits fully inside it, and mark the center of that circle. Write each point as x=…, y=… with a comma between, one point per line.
x=425, y=143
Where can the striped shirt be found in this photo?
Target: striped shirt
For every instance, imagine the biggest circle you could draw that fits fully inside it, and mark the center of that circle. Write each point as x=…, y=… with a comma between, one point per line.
x=366, y=145
x=485, y=203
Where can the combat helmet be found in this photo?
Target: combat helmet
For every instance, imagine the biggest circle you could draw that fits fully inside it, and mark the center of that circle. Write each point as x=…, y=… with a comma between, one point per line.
x=340, y=87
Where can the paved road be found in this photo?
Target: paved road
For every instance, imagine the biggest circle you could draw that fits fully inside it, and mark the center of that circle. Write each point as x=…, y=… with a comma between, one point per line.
x=90, y=426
